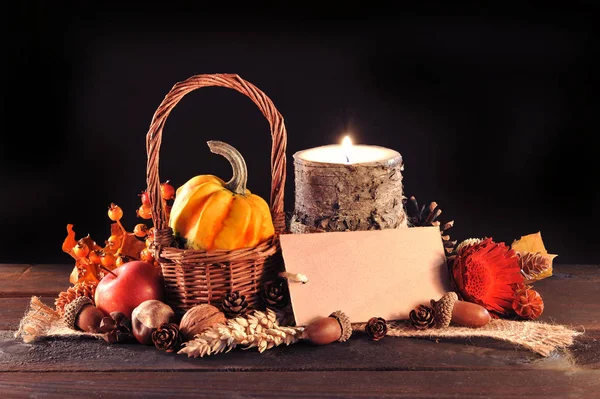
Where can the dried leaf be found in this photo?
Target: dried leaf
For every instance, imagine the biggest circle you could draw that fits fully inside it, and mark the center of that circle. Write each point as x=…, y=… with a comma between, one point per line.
x=527, y=247
x=69, y=241
x=131, y=246
x=530, y=243
x=87, y=240
x=84, y=270
x=74, y=277
x=115, y=230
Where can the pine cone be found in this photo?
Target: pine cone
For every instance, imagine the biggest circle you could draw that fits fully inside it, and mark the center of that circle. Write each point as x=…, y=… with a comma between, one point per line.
x=422, y=317
x=117, y=328
x=84, y=288
x=275, y=294
x=535, y=266
x=426, y=216
x=376, y=328
x=234, y=304
x=285, y=316
x=167, y=338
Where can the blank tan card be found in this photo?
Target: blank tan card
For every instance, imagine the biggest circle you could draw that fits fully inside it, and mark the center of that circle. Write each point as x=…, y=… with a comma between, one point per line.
x=383, y=273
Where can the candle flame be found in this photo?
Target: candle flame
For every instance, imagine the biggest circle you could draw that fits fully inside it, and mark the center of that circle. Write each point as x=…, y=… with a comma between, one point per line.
x=346, y=143
x=347, y=147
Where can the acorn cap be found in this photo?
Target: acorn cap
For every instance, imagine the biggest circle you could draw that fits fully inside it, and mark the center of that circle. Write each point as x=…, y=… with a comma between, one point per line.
x=73, y=308
x=443, y=309
x=344, y=323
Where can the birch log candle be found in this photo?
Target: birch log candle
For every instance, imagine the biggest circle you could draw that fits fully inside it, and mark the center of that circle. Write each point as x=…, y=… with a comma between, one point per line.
x=347, y=188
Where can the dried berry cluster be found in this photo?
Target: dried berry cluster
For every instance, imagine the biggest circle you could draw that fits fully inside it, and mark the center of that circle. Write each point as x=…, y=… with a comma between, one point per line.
x=94, y=261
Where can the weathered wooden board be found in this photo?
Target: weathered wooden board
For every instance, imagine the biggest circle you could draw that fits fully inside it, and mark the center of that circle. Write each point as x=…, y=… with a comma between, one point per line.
x=392, y=367
x=13, y=309
x=305, y=384
x=356, y=354
x=27, y=280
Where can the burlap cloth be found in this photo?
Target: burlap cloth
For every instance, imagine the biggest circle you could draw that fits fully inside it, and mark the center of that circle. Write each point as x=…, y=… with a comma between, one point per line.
x=538, y=337
x=41, y=321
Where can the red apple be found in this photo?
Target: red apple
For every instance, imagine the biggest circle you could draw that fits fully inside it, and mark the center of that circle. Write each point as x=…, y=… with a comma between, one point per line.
x=132, y=283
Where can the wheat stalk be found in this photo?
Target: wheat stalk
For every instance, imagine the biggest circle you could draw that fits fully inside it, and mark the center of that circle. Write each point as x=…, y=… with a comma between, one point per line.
x=257, y=330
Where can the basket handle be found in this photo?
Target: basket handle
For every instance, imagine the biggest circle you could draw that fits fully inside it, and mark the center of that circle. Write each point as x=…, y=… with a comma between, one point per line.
x=278, y=134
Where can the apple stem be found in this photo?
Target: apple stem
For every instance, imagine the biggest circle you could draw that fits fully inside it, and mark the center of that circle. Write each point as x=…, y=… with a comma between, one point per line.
x=107, y=270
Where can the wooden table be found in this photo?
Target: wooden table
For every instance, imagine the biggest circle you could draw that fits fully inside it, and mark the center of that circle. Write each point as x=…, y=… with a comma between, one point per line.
x=392, y=367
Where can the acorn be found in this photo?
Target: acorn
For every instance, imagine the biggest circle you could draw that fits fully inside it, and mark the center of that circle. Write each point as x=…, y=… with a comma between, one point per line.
x=147, y=317
x=323, y=331
x=451, y=310
x=81, y=314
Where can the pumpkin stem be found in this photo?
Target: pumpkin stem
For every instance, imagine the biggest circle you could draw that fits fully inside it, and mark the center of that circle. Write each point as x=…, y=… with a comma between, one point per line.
x=237, y=184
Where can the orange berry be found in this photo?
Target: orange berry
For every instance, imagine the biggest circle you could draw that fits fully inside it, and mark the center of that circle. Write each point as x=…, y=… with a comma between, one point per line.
x=115, y=212
x=113, y=242
x=145, y=198
x=144, y=212
x=167, y=191
x=95, y=256
x=146, y=255
x=81, y=250
x=107, y=260
x=150, y=237
x=121, y=260
x=140, y=230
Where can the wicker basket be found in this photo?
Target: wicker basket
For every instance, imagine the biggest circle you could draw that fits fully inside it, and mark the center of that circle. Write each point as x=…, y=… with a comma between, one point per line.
x=193, y=276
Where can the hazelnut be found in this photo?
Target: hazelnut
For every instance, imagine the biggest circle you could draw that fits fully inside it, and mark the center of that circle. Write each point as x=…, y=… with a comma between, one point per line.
x=199, y=318
x=147, y=317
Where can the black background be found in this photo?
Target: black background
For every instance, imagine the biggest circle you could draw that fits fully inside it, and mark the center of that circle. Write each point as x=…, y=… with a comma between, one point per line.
x=495, y=111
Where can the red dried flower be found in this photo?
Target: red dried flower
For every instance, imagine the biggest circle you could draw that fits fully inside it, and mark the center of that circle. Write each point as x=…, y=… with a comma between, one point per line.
x=485, y=273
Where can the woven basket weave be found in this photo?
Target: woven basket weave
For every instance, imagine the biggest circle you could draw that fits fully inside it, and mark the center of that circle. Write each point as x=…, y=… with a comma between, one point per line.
x=194, y=276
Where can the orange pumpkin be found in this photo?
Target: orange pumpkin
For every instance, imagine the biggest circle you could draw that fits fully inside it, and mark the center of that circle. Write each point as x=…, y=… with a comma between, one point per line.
x=211, y=214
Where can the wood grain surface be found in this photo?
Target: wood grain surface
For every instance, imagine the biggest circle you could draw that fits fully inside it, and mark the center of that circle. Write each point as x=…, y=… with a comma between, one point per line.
x=392, y=367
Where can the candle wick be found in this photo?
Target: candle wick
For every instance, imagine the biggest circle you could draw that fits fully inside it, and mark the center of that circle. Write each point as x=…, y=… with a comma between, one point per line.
x=347, y=159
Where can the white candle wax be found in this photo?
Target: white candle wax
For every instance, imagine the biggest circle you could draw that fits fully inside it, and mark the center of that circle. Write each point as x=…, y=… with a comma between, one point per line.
x=347, y=187
x=350, y=155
